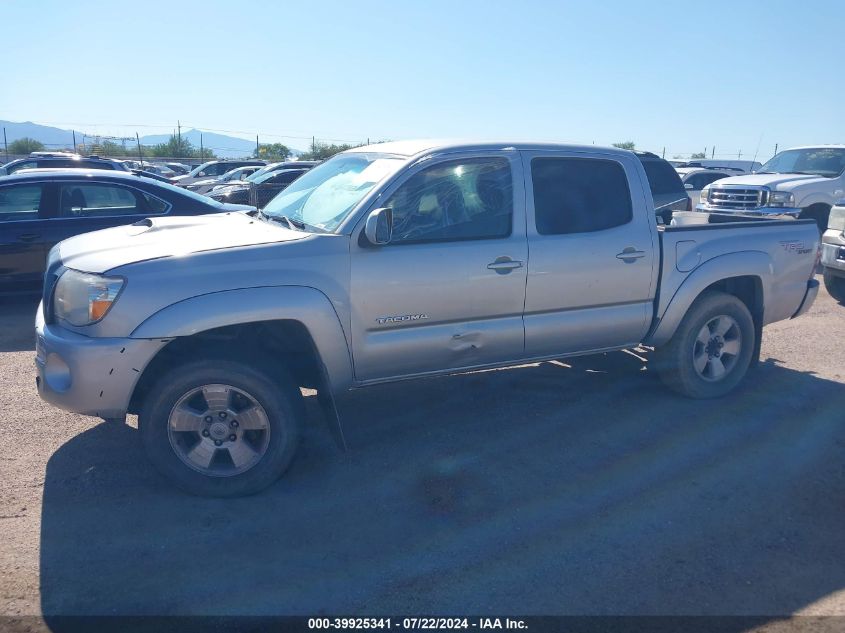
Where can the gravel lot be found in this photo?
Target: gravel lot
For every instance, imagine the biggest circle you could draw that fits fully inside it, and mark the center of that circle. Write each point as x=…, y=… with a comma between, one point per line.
x=573, y=487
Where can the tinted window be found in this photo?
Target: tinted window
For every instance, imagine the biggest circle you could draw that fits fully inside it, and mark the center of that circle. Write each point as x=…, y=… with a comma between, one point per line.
x=20, y=202
x=27, y=164
x=699, y=181
x=470, y=199
x=98, y=200
x=662, y=177
x=577, y=195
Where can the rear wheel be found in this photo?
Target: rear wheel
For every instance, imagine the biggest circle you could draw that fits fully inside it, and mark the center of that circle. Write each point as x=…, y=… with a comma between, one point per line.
x=835, y=286
x=712, y=348
x=221, y=429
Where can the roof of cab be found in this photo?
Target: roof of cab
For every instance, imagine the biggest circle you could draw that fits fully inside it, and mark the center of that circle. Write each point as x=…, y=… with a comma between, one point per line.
x=421, y=146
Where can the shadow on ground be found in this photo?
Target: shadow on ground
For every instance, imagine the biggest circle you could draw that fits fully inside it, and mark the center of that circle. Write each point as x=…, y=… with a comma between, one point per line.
x=17, y=322
x=574, y=488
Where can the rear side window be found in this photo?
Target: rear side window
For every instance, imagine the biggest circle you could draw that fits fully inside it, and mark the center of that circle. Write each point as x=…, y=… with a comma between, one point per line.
x=20, y=202
x=28, y=164
x=578, y=195
x=102, y=200
x=662, y=177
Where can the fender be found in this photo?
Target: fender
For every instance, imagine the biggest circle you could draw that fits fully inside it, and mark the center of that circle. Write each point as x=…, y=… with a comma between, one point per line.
x=741, y=264
x=245, y=305
x=817, y=197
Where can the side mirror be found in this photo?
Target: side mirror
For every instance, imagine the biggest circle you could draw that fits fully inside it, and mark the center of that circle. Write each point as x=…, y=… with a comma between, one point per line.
x=379, y=226
x=688, y=186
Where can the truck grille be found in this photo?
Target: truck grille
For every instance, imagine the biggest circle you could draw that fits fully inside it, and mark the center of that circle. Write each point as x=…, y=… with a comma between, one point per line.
x=737, y=198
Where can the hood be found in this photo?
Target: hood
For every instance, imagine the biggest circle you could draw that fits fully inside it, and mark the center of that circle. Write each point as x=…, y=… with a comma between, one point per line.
x=154, y=238
x=782, y=182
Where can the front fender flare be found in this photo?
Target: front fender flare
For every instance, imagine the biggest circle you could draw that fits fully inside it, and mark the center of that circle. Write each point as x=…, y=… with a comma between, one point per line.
x=248, y=305
x=741, y=264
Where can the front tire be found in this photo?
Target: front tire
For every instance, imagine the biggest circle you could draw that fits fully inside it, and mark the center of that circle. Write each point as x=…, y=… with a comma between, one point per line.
x=221, y=429
x=712, y=348
x=835, y=286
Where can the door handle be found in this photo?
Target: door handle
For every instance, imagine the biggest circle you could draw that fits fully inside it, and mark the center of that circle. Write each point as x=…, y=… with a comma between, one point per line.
x=503, y=265
x=28, y=237
x=629, y=254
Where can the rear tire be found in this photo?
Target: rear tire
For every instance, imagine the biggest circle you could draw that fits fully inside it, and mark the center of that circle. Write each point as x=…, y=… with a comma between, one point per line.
x=712, y=348
x=835, y=286
x=222, y=428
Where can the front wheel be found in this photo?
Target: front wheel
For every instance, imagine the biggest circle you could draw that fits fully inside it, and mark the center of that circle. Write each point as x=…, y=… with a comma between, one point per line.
x=835, y=286
x=712, y=348
x=221, y=429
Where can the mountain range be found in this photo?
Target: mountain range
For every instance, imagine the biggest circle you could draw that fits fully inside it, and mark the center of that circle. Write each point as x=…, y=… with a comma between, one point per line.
x=55, y=138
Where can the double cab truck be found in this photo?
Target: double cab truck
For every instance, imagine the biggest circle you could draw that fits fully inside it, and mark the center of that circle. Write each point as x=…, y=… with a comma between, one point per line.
x=833, y=254
x=802, y=182
x=396, y=261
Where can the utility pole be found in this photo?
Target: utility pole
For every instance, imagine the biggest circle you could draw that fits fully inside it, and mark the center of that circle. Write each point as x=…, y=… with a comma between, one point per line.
x=739, y=155
x=202, y=154
x=257, y=147
x=74, y=139
x=664, y=153
x=313, y=148
x=712, y=151
x=140, y=154
x=178, y=138
x=776, y=149
x=705, y=151
x=6, y=145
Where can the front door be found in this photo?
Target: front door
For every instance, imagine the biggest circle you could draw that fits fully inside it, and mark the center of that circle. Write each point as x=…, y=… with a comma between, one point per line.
x=447, y=292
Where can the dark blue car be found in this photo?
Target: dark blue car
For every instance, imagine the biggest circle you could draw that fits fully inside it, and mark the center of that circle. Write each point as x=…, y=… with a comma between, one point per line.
x=42, y=207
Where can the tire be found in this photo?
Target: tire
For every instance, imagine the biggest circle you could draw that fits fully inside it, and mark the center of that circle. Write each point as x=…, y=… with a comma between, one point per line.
x=835, y=286
x=190, y=428
x=690, y=362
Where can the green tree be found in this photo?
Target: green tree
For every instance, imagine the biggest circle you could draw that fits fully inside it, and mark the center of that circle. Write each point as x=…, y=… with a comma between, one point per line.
x=322, y=151
x=272, y=151
x=25, y=145
x=175, y=147
x=626, y=145
x=699, y=155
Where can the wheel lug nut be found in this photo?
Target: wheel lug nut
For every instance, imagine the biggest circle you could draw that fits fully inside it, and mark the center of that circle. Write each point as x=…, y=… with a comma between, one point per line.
x=233, y=437
x=205, y=432
x=233, y=424
x=208, y=419
x=218, y=442
x=222, y=415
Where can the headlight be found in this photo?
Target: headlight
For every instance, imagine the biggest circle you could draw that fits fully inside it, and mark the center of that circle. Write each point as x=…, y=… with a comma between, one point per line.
x=705, y=194
x=84, y=298
x=781, y=199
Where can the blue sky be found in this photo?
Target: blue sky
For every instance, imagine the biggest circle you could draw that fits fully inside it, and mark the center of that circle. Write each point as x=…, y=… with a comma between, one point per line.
x=679, y=75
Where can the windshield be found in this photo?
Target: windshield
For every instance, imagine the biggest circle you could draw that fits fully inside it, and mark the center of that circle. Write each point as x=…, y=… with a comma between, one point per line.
x=820, y=161
x=260, y=172
x=324, y=196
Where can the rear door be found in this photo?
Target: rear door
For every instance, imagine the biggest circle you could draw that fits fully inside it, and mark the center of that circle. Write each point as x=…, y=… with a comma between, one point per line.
x=592, y=270
x=22, y=234
x=81, y=206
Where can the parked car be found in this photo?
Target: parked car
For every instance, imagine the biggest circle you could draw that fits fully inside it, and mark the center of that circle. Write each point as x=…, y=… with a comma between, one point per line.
x=414, y=259
x=802, y=182
x=214, y=168
x=39, y=208
x=696, y=178
x=259, y=189
x=237, y=174
x=666, y=186
x=833, y=253
x=60, y=160
x=743, y=166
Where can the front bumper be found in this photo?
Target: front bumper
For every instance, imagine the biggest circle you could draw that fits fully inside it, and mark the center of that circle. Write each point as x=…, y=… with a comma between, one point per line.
x=92, y=376
x=833, y=251
x=773, y=213
x=809, y=297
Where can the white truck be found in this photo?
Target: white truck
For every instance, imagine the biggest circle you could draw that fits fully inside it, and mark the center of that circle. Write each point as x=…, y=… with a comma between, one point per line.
x=802, y=182
x=396, y=261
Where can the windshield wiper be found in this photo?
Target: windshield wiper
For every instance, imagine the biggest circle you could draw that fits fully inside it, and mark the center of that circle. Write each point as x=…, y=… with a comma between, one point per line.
x=297, y=225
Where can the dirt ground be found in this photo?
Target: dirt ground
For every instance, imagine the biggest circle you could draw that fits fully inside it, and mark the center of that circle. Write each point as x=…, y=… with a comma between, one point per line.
x=572, y=487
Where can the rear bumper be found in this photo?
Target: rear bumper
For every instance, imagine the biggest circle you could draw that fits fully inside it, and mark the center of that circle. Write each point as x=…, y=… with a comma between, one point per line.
x=809, y=297
x=92, y=376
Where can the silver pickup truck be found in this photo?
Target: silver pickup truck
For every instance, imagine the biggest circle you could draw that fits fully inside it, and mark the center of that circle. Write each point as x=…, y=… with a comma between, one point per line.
x=397, y=261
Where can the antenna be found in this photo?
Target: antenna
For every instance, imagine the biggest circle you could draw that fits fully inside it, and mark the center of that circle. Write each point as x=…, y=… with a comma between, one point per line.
x=754, y=160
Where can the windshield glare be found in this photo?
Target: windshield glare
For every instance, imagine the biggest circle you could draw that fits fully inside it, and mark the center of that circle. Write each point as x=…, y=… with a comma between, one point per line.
x=822, y=161
x=324, y=196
